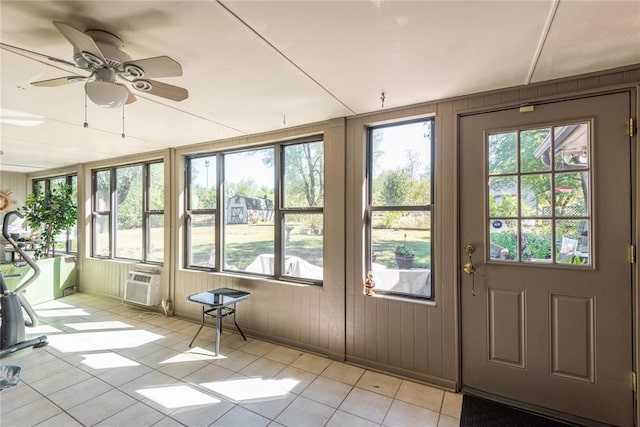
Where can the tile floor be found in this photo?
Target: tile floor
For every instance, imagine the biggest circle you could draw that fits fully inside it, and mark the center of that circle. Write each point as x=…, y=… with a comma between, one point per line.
x=108, y=365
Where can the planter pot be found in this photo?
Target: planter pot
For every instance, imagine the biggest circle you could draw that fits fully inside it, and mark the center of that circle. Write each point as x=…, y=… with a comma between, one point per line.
x=56, y=275
x=405, y=262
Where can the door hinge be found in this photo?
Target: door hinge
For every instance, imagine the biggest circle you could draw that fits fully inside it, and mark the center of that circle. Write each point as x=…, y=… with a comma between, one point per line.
x=632, y=254
x=632, y=127
x=634, y=381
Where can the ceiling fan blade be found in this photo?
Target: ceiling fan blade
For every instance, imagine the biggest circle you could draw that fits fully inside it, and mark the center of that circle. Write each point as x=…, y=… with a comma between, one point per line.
x=60, y=81
x=159, y=66
x=132, y=98
x=164, y=90
x=80, y=41
x=23, y=51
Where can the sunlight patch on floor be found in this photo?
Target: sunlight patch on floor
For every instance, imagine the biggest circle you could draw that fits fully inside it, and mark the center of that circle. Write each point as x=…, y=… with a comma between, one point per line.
x=62, y=313
x=111, y=340
x=107, y=361
x=252, y=388
x=94, y=326
x=181, y=396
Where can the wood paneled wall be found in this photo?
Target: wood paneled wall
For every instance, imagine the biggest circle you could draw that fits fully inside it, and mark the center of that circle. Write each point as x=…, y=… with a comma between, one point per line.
x=414, y=339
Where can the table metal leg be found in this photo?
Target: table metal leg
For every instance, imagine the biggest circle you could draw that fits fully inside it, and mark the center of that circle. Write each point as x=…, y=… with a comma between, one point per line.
x=236, y=323
x=218, y=329
x=199, y=329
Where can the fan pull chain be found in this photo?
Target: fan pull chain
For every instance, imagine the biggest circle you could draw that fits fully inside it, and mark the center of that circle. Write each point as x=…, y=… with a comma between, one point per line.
x=86, y=124
x=123, y=120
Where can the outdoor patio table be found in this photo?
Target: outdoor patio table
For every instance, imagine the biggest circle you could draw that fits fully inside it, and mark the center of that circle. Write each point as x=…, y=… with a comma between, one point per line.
x=219, y=303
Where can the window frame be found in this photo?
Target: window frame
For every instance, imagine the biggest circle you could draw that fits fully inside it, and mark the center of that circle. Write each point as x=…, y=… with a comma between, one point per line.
x=370, y=208
x=111, y=212
x=219, y=211
x=46, y=183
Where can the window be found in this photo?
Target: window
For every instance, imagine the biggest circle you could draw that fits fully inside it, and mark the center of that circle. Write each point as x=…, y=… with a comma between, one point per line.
x=270, y=220
x=67, y=240
x=400, y=207
x=128, y=212
x=538, y=195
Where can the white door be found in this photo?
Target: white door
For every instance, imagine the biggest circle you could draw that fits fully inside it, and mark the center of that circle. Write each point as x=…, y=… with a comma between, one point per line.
x=545, y=200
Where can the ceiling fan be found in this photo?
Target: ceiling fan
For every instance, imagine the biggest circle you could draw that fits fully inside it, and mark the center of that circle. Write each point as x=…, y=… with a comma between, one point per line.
x=100, y=53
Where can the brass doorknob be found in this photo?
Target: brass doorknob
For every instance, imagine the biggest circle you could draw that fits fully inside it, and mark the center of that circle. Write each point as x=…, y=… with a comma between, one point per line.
x=469, y=268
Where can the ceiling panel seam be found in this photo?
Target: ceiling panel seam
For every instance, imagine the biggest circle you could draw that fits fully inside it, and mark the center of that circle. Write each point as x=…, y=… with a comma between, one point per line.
x=289, y=60
x=543, y=39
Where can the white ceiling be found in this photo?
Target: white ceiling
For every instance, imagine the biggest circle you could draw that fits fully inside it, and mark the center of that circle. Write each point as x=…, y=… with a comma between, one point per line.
x=254, y=66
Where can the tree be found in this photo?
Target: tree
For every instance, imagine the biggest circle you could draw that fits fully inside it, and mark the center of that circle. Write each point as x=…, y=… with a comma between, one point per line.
x=52, y=212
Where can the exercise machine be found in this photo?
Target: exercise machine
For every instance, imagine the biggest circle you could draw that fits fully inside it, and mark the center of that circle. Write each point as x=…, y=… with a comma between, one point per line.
x=12, y=303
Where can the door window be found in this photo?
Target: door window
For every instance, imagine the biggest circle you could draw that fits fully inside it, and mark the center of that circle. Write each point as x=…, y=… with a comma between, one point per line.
x=539, y=195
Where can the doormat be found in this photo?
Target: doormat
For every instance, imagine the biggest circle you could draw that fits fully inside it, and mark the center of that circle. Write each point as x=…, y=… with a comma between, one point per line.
x=477, y=412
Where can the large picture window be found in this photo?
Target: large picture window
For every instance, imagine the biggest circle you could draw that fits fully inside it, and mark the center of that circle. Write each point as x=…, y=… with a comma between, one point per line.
x=128, y=212
x=400, y=207
x=270, y=220
x=67, y=240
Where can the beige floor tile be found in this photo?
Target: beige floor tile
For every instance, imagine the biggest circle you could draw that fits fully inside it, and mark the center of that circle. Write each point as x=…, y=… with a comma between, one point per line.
x=179, y=396
x=157, y=358
x=79, y=393
x=236, y=360
x=137, y=414
x=259, y=348
x=104, y=406
x=269, y=407
x=342, y=419
x=140, y=351
x=447, y=421
x=60, y=420
x=153, y=379
x=344, y=373
x=181, y=366
x=420, y=395
x=50, y=366
x=201, y=415
x=311, y=363
x=379, y=383
x=283, y=354
x=327, y=391
x=241, y=417
x=305, y=412
x=30, y=414
x=402, y=414
x=262, y=368
x=295, y=380
x=452, y=404
x=59, y=381
x=175, y=338
x=19, y=395
x=284, y=386
x=207, y=374
x=118, y=376
x=366, y=404
x=168, y=422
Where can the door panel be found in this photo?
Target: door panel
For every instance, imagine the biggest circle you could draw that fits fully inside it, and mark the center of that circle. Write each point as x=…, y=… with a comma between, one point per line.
x=545, y=200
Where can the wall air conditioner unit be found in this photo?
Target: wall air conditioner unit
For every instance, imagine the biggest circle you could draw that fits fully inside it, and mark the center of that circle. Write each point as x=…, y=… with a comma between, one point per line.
x=142, y=288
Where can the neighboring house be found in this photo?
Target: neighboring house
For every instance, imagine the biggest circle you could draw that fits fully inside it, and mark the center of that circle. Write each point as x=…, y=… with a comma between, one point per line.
x=244, y=209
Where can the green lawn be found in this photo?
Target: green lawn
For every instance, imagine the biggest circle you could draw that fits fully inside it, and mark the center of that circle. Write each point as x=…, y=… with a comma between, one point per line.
x=244, y=242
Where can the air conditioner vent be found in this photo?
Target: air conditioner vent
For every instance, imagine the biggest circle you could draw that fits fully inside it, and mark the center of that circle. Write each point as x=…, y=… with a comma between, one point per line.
x=142, y=288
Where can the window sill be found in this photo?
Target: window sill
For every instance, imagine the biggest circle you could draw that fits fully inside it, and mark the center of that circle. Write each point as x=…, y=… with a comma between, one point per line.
x=418, y=301
x=253, y=278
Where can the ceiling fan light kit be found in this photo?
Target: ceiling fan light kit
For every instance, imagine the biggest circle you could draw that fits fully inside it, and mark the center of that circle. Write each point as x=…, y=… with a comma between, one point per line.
x=106, y=94
x=100, y=53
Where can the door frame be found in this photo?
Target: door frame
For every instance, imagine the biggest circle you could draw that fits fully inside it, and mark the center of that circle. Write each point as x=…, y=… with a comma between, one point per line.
x=634, y=107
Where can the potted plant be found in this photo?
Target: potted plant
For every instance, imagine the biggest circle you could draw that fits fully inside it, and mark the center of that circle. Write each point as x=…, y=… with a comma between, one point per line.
x=50, y=212
x=404, y=256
